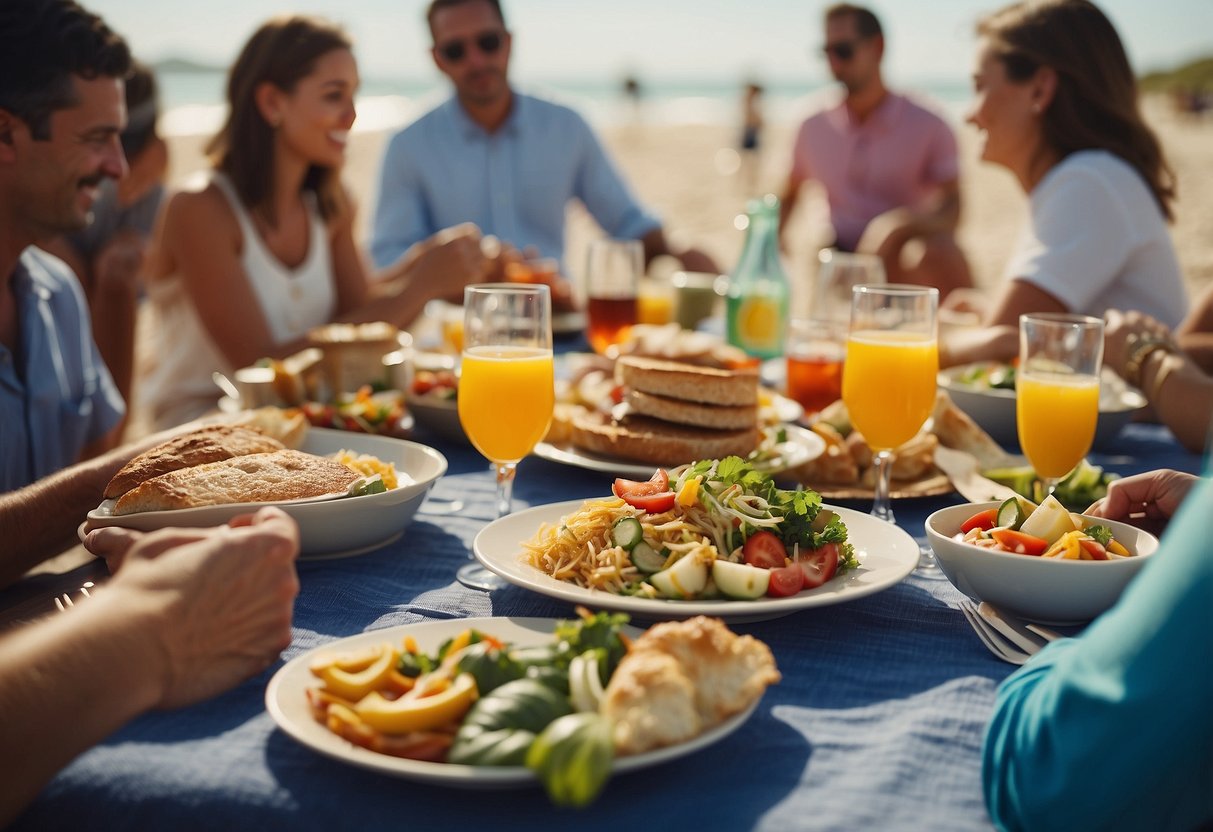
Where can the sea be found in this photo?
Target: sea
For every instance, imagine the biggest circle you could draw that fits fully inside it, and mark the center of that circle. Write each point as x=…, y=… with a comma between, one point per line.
x=192, y=100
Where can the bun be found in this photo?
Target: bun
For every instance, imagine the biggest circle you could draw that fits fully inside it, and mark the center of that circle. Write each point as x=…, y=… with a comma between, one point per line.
x=661, y=443
x=716, y=416
x=676, y=380
x=209, y=444
x=257, y=478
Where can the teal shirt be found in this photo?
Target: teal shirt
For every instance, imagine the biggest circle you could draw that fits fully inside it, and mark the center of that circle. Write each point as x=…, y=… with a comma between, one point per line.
x=1114, y=729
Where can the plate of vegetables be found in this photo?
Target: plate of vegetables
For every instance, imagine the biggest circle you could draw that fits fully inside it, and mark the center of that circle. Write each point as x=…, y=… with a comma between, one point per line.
x=716, y=537
x=511, y=702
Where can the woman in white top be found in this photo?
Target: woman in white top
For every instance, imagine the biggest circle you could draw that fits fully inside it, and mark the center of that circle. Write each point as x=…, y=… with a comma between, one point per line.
x=265, y=250
x=1056, y=102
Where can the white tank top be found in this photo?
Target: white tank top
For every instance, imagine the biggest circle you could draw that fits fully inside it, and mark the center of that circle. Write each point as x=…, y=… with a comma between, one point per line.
x=179, y=387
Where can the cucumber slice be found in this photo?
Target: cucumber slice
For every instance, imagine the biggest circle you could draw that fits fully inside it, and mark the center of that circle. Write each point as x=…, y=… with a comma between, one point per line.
x=647, y=559
x=1011, y=514
x=627, y=533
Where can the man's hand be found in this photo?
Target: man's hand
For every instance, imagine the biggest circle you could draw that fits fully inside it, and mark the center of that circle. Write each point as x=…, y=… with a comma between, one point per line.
x=217, y=606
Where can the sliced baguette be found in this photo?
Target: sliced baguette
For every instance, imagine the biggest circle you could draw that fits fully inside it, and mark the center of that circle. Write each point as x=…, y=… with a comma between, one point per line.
x=209, y=444
x=257, y=478
x=676, y=380
x=696, y=414
x=643, y=439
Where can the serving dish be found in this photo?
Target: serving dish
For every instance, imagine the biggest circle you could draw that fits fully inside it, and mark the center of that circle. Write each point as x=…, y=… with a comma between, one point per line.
x=994, y=408
x=286, y=701
x=328, y=528
x=1048, y=590
x=886, y=555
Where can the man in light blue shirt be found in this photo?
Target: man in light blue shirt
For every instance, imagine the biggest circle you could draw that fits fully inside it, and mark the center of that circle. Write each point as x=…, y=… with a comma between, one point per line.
x=1114, y=729
x=507, y=162
x=59, y=139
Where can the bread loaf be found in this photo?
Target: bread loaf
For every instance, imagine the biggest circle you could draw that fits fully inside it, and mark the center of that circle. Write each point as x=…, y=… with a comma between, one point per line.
x=660, y=443
x=256, y=478
x=209, y=444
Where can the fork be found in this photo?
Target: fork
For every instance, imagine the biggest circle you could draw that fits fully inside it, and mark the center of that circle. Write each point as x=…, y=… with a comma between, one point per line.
x=64, y=602
x=994, y=641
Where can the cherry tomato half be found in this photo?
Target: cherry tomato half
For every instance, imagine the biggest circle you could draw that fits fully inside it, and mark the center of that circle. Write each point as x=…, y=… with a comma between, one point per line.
x=785, y=581
x=764, y=549
x=652, y=496
x=818, y=565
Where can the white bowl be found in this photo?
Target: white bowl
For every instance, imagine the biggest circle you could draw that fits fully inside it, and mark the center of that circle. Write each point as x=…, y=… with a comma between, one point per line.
x=327, y=528
x=1047, y=590
x=993, y=409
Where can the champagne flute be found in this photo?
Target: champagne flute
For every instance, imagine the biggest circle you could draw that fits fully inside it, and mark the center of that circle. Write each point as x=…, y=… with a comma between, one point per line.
x=506, y=385
x=888, y=379
x=1057, y=391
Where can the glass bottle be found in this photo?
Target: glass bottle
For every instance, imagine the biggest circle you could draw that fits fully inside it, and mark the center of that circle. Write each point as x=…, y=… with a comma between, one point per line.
x=757, y=301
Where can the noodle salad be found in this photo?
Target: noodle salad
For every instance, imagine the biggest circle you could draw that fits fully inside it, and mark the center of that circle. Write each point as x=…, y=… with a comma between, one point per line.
x=711, y=529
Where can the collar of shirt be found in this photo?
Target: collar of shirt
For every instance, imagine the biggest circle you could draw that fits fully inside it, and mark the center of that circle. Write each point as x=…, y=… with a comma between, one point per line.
x=472, y=131
x=883, y=117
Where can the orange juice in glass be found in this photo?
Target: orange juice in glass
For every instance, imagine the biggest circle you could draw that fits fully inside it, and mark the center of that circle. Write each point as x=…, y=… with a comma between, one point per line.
x=506, y=386
x=888, y=380
x=521, y=376
x=889, y=384
x=1057, y=390
x=1056, y=415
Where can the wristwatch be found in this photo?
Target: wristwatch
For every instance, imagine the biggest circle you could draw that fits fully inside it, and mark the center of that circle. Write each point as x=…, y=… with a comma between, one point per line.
x=1140, y=348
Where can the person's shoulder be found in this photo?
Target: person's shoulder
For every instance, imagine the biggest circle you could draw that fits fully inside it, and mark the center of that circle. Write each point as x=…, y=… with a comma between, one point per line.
x=199, y=206
x=1094, y=170
x=47, y=271
x=923, y=109
x=549, y=110
x=419, y=129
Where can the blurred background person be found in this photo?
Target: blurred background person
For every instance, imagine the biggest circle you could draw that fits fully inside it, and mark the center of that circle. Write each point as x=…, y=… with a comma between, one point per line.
x=264, y=249
x=108, y=254
x=1130, y=694
x=1056, y=102
x=508, y=162
x=889, y=166
x=751, y=137
x=62, y=110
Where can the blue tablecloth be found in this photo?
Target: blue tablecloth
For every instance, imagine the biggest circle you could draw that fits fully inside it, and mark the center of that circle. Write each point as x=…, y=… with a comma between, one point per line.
x=878, y=721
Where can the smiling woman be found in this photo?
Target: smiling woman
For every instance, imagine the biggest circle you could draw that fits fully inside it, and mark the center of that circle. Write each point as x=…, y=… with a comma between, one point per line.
x=263, y=250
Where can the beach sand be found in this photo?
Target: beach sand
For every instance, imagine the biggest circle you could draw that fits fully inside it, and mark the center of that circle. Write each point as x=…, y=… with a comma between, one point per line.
x=685, y=174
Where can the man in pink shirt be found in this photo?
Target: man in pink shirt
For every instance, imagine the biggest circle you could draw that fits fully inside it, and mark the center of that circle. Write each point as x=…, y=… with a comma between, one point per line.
x=888, y=165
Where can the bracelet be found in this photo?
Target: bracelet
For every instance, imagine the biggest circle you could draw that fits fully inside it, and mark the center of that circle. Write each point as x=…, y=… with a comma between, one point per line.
x=1160, y=378
x=1141, y=347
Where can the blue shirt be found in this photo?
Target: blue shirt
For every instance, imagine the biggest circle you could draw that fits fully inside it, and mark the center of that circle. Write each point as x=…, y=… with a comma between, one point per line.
x=515, y=183
x=1114, y=729
x=56, y=395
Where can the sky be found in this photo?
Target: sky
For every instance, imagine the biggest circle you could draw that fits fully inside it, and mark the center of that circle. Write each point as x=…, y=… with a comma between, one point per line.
x=656, y=39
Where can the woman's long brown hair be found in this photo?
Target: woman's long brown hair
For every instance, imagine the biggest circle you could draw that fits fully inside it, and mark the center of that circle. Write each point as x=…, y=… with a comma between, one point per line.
x=281, y=52
x=1096, y=103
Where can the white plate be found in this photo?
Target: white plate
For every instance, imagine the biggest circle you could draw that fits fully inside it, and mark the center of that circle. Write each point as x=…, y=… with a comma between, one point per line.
x=328, y=528
x=802, y=446
x=286, y=701
x=886, y=555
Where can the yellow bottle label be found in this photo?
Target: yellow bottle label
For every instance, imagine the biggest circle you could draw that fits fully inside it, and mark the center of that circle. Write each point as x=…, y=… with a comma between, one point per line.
x=758, y=323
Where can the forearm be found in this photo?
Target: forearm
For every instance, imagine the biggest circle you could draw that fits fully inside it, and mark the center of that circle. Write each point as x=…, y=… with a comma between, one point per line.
x=1182, y=397
x=41, y=519
x=67, y=683
x=966, y=345
x=1199, y=347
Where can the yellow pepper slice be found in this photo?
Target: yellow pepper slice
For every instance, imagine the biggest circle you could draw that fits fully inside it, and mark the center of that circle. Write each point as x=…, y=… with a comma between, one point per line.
x=688, y=495
x=1117, y=549
x=1067, y=546
x=406, y=714
x=355, y=685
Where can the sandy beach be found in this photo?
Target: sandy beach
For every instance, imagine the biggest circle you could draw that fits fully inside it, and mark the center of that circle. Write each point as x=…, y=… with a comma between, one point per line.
x=684, y=172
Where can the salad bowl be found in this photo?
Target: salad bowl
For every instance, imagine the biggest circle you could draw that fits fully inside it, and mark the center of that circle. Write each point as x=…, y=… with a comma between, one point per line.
x=986, y=391
x=1046, y=590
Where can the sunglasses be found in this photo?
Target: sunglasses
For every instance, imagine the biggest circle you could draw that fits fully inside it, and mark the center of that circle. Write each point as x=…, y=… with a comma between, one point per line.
x=455, y=51
x=843, y=50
